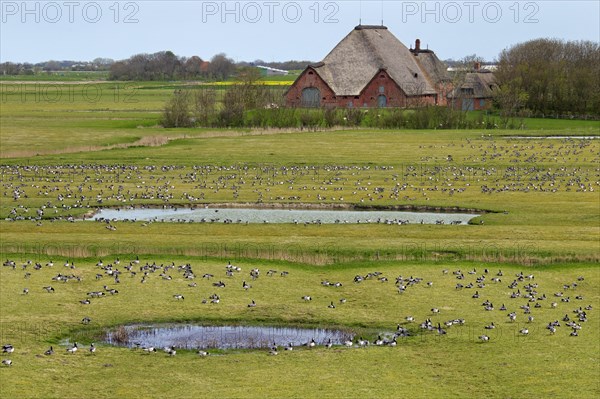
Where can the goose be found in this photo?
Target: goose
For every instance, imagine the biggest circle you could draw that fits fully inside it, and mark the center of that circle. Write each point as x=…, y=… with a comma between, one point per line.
x=331, y=305
x=8, y=348
x=329, y=344
x=348, y=343
x=311, y=343
x=362, y=342
x=490, y=326
x=49, y=288
x=393, y=342
x=574, y=333
x=484, y=338
x=246, y=286
x=178, y=297
x=72, y=349
x=86, y=320
x=440, y=330
x=435, y=310
x=171, y=351
x=289, y=347
x=92, y=349
x=409, y=319
x=378, y=341
x=252, y=304
x=202, y=353
x=273, y=352
x=149, y=349
x=49, y=352
x=524, y=331
x=7, y=362
x=342, y=300
x=307, y=298
x=25, y=291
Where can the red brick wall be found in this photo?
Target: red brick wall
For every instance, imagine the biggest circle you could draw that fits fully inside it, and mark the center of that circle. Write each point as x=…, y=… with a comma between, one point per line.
x=369, y=96
x=395, y=96
x=309, y=78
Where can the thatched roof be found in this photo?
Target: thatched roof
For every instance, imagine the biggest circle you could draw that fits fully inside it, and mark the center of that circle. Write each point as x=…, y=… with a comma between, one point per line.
x=353, y=63
x=476, y=85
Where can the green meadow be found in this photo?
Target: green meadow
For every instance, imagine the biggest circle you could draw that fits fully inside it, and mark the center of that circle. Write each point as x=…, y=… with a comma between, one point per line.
x=70, y=148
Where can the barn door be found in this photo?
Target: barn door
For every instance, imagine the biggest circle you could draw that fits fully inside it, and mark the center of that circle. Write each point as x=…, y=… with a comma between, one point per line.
x=468, y=104
x=311, y=97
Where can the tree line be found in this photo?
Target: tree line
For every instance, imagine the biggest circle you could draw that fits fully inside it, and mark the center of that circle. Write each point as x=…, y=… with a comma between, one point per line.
x=550, y=77
x=165, y=65
x=162, y=65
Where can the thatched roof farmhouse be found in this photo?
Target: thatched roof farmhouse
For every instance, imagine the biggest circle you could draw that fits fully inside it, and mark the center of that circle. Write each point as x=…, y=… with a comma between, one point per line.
x=370, y=67
x=476, y=90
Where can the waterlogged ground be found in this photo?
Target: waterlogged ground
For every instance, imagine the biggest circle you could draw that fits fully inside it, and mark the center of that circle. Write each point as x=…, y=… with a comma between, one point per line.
x=224, y=337
x=248, y=215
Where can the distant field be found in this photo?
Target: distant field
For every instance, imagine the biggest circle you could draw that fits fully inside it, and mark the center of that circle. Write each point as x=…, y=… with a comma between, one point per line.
x=99, y=144
x=63, y=76
x=100, y=114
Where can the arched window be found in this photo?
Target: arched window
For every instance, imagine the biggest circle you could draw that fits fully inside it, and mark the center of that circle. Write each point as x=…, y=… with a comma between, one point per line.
x=311, y=97
x=382, y=101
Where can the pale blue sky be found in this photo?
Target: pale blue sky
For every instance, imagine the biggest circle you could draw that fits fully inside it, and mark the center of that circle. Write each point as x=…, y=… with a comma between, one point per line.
x=277, y=30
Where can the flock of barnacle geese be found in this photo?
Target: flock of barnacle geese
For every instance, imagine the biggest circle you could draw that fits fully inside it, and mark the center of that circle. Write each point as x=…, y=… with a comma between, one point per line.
x=522, y=286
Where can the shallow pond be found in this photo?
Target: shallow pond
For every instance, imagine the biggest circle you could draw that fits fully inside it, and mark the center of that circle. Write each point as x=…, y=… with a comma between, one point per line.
x=220, y=337
x=555, y=137
x=300, y=216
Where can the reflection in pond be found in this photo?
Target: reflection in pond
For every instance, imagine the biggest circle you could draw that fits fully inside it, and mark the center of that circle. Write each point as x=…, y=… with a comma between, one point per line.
x=555, y=137
x=299, y=216
x=221, y=337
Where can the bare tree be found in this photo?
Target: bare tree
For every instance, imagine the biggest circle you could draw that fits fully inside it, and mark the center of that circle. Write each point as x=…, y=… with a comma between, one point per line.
x=221, y=67
x=177, y=110
x=205, y=106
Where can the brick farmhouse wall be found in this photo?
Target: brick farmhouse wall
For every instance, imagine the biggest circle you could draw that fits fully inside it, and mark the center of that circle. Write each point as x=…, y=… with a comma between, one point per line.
x=381, y=84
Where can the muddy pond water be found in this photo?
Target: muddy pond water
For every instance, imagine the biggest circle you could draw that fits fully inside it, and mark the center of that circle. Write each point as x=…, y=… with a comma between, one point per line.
x=299, y=216
x=191, y=336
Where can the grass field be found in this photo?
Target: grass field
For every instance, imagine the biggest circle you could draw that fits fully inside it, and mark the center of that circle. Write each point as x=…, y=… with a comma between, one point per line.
x=67, y=157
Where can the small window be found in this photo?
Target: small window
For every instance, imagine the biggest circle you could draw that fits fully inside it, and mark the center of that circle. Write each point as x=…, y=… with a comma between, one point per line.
x=356, y=97
x=381, y=89
x=310, y=73
x=382, y=76
x=416, y=75
x=350, y=105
